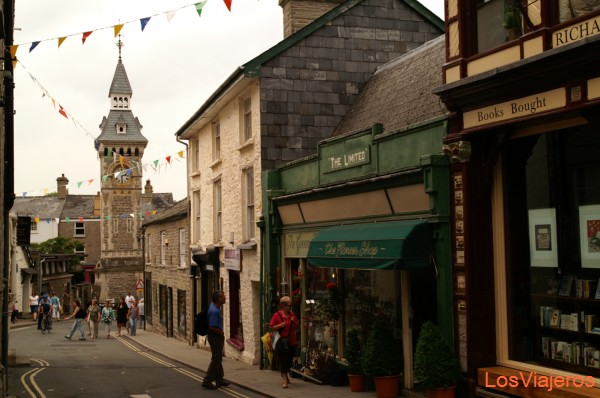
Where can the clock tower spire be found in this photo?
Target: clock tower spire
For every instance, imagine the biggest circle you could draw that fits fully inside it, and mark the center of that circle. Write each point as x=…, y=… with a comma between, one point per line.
x=121, y=147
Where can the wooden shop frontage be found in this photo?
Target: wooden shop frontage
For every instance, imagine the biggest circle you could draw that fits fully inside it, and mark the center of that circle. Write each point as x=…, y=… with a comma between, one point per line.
x=523, y=88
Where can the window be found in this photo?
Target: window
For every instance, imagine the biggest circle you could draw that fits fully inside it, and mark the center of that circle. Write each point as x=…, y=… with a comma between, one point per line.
x=34, y=225
x=130, y=222
x=236, y=330
x=218, y=234
x=216, y=141
x=79, y=229
x=248, y=195
x=196, y=154
x=115, y=225
x=163, y=302
x=197, y=224
x=247, y=119
x=552, y=213
x=148, y=246
x=79, y=249
x=498, y=22
x=163, y=248
x=576, y=8
x=182, y=248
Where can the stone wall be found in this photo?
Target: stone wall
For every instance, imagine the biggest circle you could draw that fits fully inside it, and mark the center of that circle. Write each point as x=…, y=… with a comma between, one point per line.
x=308, y=88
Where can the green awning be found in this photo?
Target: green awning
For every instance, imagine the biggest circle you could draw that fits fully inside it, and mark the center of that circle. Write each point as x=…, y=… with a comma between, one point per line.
x=382, y=246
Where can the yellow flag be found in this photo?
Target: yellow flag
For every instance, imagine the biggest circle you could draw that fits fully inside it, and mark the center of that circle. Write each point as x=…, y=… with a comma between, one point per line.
x=121, y=160
x=14, y=62
x=180, y=153
x=60, y=40
x=13, y=50
x=118, y=28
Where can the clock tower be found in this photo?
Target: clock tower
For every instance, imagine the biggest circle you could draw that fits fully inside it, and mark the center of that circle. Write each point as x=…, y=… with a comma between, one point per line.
x=120, y=150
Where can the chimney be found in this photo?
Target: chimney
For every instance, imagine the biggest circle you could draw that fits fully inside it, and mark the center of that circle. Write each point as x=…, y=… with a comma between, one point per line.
x=61, y=186
x=97, y=205
x=299, y=13
x=148, y=191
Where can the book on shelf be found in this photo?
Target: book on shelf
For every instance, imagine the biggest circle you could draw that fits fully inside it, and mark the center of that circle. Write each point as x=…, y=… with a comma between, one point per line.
x=555, y=318
x=585, y=288
x=590, y=321
x=597, y=296
x=591, y=356
x=545, y=315
x=566, y=285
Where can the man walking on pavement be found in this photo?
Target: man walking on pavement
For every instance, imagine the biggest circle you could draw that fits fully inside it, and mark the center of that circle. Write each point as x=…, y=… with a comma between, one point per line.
x=216, y=339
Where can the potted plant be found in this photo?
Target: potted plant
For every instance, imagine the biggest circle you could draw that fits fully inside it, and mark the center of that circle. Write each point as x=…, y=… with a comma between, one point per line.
x=352, y=353
x=436, y=367
x=382, y=359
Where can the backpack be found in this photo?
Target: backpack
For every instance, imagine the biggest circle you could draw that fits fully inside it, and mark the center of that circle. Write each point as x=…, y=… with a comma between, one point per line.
x=201, y=323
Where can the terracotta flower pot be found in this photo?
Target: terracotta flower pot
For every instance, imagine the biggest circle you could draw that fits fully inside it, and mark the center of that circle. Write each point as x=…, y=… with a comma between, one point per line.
x=357, y=383
x=447, y=392
x=387, y=386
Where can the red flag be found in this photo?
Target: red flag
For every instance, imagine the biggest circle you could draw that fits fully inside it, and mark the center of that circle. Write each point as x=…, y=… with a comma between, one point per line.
x=62, y=111
x=228, y=4
x=168, y=159
x=80, y=219
x=85, y=36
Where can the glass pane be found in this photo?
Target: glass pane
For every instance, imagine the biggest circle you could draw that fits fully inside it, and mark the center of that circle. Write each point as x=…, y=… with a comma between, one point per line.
x=498, y=22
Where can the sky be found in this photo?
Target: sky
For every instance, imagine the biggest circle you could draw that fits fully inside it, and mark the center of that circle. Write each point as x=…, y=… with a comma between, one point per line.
x=173, y=67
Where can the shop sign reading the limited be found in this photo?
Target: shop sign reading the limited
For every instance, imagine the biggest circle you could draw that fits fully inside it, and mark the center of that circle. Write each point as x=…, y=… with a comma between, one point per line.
x=347, y=160
x=526, y=106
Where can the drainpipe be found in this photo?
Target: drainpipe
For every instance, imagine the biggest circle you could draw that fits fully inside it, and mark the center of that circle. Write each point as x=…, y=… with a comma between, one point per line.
x=261, y=225
x=189, y=226
x=8, y=183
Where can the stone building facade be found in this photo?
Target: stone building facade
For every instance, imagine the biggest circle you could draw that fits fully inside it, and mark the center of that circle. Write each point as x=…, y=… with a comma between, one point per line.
x=272, y=110
x=169, y=288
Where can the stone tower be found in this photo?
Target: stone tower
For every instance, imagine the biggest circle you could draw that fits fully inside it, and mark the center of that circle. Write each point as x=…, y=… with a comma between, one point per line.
x=120, y=150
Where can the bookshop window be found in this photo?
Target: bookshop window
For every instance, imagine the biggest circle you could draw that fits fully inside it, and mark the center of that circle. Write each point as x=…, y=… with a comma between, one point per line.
x=498, y=22
x=569, y=9
x=552, y=199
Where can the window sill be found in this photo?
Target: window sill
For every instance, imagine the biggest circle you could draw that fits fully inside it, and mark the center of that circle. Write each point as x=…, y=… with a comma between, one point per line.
x=195, y=173
x=250, y=245
x=215, y=163
x=246, y=145
x=236, y=342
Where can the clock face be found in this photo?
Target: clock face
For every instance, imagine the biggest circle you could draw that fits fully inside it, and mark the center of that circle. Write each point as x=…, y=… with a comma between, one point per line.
x=122, y=176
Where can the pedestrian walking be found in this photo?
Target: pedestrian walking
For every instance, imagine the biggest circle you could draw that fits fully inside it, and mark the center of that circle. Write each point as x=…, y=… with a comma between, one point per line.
x=216, y=339
x=33, y=304
x=129, y=301
x=15, y=313
x=122, y=311
x=133, y=316
x=44, y=312
x=55, y=307
x=142, y=313
x=80, y=315
x=93, y=317
x=286, y=322
x=107, y=317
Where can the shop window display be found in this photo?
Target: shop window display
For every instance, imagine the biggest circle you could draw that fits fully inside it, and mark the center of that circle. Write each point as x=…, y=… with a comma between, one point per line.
x=339, y=300
x=552, y=199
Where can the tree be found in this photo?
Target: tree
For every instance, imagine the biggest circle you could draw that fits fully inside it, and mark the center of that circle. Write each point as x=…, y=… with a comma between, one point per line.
x=61, y=245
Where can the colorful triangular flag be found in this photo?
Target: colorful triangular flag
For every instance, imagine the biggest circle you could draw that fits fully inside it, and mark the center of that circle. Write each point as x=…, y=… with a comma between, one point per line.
x=199, y=7
x=171, y=15
x=62, y=111
x=60, y=40
x=117, y=29
x=85, y=36
x=228, y=4
x=168, y=159
x=144, y=22
x=33, y=45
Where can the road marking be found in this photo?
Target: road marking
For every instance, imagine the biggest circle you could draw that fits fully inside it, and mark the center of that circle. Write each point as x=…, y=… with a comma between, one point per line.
x=185, y=372
x=32, y=373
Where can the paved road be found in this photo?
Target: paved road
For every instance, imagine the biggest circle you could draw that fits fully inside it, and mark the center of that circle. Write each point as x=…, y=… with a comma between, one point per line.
x=115, y=367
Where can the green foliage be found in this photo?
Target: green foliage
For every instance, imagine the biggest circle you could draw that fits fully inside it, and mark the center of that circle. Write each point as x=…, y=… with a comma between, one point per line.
x=382, y=355
x=352, y=352
x=435, y=364
x=60, y=245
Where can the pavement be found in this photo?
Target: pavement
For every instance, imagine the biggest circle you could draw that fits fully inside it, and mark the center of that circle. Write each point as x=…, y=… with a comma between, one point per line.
x=265, y=382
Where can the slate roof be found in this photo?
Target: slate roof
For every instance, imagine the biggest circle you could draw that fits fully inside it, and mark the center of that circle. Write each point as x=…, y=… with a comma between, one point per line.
x=79, y=206
x=133, y=132
x=160, y=203
x=120, y=83
x=38, y=206
x=252, y=68
x=177, y=211
x=399, y=94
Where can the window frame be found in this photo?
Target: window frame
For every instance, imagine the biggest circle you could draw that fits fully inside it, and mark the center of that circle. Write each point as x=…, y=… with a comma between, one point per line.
x=216, y=139
x=249, y=209
x=197, y=213
x=163, y=247
x=182, y=248
x=218, y=210
x=246, y=118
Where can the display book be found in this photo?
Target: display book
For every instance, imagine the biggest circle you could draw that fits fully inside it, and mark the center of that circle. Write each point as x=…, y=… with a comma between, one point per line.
x=576, y=320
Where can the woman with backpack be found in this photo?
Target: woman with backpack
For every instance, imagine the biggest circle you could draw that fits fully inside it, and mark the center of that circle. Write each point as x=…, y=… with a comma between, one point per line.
x=108, y=316
x=79, y=314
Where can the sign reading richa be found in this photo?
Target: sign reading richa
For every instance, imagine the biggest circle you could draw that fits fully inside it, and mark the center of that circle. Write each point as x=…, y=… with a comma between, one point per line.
x=526, y=106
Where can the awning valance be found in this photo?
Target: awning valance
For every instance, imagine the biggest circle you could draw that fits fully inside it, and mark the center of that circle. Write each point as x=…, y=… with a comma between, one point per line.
x=382, y=246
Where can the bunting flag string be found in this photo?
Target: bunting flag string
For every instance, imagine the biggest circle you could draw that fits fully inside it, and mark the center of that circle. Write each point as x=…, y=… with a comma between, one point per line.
x=142, y=215
x=198, y=6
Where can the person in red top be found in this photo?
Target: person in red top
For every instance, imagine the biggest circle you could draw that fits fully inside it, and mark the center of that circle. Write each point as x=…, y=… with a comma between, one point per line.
x=286, y=322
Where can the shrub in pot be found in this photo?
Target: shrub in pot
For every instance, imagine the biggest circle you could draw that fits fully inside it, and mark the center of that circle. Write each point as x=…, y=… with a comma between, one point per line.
x=352, y=353
x=435, y=365
x=382, y=359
